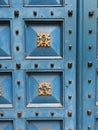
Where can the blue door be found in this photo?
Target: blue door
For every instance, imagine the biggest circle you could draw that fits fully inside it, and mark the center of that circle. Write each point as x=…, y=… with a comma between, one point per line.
x=37, y=65
x=88, y=65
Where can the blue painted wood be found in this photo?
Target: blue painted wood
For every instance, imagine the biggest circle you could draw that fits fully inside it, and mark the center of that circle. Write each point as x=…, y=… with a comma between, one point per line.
x=42, y=2
x=24, y=108
x=7, y=125
x=4, y=2
x=88, y=53
x=5, y=39
x=55, y=29
x=53, y=100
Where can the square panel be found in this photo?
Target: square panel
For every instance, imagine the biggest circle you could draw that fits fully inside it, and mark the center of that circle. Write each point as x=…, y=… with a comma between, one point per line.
x=45, y=125
x=44, y=39
x=43, y=2
x=44, y=89
x=6, y=125
x=4, y=2
x=5, y=40
x=6, y=92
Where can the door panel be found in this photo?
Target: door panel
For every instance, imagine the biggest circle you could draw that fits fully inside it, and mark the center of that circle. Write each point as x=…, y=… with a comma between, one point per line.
x=6, y=125
x=4, y=2
x=5, y=39
x=42, y=2
x=89, y=64
x=38, y=65
x=47, y=37
x=47, y=90
x=6, y=90
x=43, y=125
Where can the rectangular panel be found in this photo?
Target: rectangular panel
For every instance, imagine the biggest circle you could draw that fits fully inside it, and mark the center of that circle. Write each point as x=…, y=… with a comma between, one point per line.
x=4, y=2
x=6, y=125
x=6, y=91
x=44, y=39
x=44, y=89
x=88, y=28
x=5, y=39
x=43, y=2
x=45, y=125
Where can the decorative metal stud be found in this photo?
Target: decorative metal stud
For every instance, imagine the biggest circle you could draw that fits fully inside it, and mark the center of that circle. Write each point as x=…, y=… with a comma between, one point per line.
x=90, y=64
x=18, y=65
x=16, y=13
x=19, y=114
x=70, y=129
x=2, y=114
x=90, y=31
x=52, y=65
x=17, y=48
x=70, y=13
x=19, y=97
x=89, y=95
x=70, y=82
x=89, y=111
x=91, y=13
x=69, y=113
x=70, y=47
x=35, y=13
x=19, y=129
x=17, y=32
x=0, y=65
x=36, y=113
x=43, y=39
x=52, y=113
x=96, y=71
x=89, y=81
x=52, y=13
x=90, y=47
x=18, y=82
x=89, y=127
x=70, y=65
x=70, y=97
x=44, y=88
x=36, y=65
x=70, y=31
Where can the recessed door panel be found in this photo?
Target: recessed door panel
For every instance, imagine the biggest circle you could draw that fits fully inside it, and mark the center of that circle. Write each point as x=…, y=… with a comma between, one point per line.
x=44, y=39
x=6, y=90
x=38, y=65
x=4, y=2
x=42, y=2
x=5, y=39
x=44, y=89
x=45, y=124
x=6, y=125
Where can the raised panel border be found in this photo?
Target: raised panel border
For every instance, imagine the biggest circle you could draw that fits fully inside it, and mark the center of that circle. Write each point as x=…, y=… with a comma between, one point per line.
x=48, y=105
